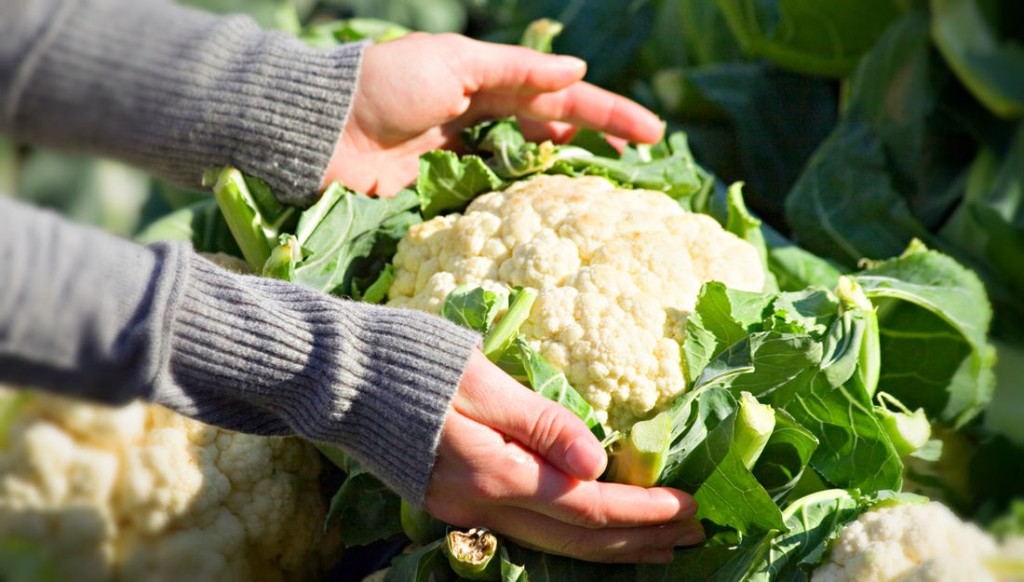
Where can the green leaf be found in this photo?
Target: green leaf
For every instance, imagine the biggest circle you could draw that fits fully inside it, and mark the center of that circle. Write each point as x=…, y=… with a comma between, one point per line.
x=474, y=307
x=809, y=36
x=550, y=382
x=342, y=238
x=785, y=457
x=845, y=204
x=706, y=458
x=991, y=67
x=448, y=182
x=363, y=509
x=725, y=490
x=425, y=564
x=941, y=317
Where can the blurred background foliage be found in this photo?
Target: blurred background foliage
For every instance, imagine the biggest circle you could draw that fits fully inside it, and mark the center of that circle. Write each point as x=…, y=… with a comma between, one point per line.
x=857, y=125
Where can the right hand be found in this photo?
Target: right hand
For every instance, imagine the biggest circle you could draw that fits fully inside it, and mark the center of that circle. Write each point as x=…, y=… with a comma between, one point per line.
x=524, y=466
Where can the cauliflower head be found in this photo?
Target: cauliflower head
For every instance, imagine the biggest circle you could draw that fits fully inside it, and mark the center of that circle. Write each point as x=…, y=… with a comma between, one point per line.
x=141, y=493
x=917, y=542
x=617, y=273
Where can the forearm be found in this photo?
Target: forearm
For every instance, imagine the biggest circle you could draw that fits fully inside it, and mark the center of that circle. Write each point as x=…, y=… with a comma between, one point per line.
x=173, y=90
x=89, y=315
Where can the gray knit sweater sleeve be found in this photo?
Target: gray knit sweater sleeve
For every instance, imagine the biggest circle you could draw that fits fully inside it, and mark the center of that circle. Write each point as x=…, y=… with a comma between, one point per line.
x=173, y=90
x=94, y=316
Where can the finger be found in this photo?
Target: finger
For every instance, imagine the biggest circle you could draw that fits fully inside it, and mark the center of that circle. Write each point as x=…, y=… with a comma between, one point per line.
x=601, y=545
x=556, y=131
x=539, y=487
x=486, y=66
x=581, y=104
x=493, y=398
x=486, y=470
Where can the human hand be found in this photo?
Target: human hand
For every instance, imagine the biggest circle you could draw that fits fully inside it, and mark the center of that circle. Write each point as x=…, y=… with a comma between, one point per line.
x=416, y=93
x=524, y=466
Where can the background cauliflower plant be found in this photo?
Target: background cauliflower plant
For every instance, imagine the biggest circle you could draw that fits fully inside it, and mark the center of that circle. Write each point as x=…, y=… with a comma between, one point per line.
x=141, y=493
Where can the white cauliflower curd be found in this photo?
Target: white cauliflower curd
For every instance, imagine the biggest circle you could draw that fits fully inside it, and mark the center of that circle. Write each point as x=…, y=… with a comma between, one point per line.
x=912, y=543
x=143, y=494
x=617, y=271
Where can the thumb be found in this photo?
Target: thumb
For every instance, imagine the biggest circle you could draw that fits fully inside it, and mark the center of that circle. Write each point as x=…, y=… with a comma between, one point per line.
x=493, y=398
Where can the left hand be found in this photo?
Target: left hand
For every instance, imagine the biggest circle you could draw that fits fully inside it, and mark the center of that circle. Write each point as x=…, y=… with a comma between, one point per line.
x=418, y=92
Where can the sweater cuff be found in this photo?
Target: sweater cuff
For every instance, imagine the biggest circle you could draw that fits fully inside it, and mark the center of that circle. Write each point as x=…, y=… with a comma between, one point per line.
x=176, y=90
x=375, y=381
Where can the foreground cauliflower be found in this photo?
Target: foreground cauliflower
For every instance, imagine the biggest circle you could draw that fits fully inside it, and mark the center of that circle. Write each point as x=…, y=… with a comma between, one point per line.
x=617, y=271
x=140, y=493
x=923, y=542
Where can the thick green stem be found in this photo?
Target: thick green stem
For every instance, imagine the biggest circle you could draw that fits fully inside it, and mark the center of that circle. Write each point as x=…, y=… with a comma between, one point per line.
x=753, y=428
x=870, y=359
x=472, y=553
x=242, y=215
x=283, y=258
x=908, y=430
x=418, y=525
x=642, y=456
x=505, y=331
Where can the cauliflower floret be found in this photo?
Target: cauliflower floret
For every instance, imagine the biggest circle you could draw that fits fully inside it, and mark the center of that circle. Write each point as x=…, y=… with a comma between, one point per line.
x=921, y=543
x=141, y=493
x=617, y=272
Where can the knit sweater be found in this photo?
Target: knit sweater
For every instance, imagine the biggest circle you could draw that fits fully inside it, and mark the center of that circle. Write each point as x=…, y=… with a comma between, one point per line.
x=175, y=91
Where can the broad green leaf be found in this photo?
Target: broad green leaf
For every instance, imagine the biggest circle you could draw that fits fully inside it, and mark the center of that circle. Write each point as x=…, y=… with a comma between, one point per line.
x=363, y=509
x=845, y=204
x=474, y=307
x=854, y=449
x=710, y=329
x=448, y=182
x=776, y=121
x=794, y=268
x=991, y=67
x=425, y=564
x=726, y=491
x=785, y=457
x=808, y=36
x=342, y=245
x=811, y=523
x=988, y=228
x=940, y=317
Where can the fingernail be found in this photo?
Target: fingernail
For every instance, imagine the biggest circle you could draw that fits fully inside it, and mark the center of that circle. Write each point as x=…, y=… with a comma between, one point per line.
x=580, y=459
x=571, y=62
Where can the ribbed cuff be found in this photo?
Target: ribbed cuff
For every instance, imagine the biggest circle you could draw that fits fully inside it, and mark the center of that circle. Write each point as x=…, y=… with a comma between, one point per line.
x=375, y=381
x=176, y=91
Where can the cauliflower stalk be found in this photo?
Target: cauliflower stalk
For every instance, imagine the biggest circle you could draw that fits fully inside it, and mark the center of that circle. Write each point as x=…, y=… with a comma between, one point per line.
x=913, y=542
x=617, y=272
x=141, y=493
